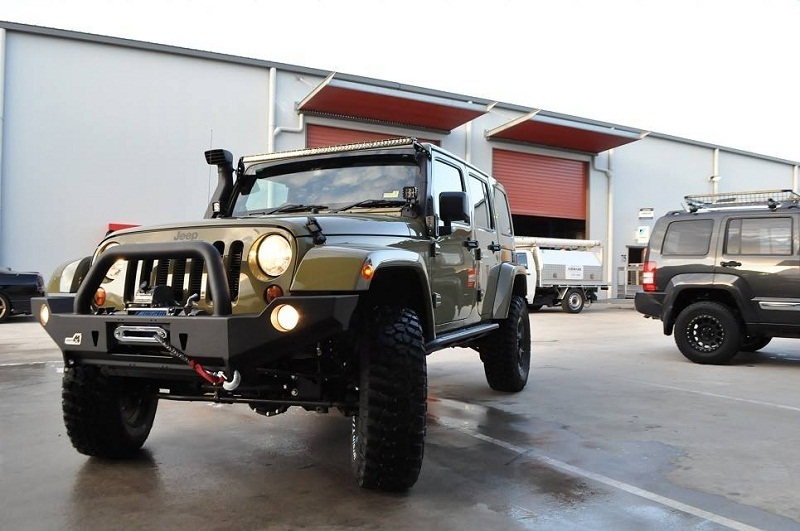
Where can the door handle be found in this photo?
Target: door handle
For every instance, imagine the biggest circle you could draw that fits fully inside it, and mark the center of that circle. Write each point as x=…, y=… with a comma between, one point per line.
x=471, y=244
x=494, y=247
x=732, y=263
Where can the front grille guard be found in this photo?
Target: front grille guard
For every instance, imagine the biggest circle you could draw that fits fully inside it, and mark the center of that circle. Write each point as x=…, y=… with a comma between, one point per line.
x=198, y=252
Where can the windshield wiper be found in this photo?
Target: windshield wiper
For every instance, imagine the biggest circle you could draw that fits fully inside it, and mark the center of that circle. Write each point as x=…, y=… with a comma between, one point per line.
x=374, y=203
x=292, y=207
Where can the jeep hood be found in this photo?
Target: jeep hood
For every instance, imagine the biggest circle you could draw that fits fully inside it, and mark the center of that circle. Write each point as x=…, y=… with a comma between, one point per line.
x=331, y=225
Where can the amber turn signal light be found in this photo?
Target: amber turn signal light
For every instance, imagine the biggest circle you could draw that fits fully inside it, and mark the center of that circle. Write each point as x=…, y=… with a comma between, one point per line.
x=100, y=297
x=272, y=292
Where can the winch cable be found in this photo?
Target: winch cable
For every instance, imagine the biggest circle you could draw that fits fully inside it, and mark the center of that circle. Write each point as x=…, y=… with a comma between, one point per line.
x=214, y=378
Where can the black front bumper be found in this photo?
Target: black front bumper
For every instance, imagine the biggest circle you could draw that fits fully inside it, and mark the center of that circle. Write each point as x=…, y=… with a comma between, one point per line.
x=228, y=341
x=219, y=341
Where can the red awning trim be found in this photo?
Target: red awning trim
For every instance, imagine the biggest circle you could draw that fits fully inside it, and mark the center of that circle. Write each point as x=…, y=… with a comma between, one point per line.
x=119, y=226
x=369, y=102
x=561, y=133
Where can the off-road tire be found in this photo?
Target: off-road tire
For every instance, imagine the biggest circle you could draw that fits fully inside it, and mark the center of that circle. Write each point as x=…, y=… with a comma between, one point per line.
x=5, y=308
x=506, y=352
x=106, y=417
x=754, y=343
x=573, y=301
x=708, y=332
x=389, y=429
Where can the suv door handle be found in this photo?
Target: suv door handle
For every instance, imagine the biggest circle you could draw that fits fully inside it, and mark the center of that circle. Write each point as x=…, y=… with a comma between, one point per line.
x=494, y=247
x=471, y=244
x=732, y=263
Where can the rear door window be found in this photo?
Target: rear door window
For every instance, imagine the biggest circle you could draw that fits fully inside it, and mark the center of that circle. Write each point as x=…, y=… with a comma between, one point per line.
x=759, y=236
x=688, y=238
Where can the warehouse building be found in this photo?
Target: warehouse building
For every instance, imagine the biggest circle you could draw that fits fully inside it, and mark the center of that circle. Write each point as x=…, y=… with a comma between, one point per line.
x=100, y=133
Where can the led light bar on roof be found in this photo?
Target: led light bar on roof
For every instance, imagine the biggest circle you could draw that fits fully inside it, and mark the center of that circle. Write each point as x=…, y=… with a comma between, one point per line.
x=378, y=144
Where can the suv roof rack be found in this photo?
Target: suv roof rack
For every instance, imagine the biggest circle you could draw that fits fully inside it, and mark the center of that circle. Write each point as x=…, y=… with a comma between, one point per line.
x=771, y=199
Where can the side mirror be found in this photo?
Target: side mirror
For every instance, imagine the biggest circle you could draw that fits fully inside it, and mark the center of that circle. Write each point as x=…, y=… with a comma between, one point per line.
x=453, y=206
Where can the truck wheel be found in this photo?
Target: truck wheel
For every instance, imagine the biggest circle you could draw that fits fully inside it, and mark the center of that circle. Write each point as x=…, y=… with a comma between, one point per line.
x=573, y=301
x=506, y=352
x=754, y=343
x=106, y=417
x=5, y=308
x=708, y=332
x=389, y=429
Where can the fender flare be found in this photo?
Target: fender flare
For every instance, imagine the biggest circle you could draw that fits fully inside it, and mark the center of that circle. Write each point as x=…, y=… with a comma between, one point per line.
x=733, y=285
x=314, y=273
x=505, y=289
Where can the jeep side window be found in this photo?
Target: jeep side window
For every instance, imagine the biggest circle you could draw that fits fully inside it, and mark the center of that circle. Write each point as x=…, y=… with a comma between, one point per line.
x=446, y=178
x=502, y=213
x=479, y=195
x=690, y=238
x=759, y=236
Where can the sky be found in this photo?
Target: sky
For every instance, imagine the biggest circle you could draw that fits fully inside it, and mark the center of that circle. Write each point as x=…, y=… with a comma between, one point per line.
x=725, y=72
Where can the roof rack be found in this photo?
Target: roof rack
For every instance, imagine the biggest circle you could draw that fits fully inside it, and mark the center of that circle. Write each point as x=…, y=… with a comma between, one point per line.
x=378, y=144
x=771, y=199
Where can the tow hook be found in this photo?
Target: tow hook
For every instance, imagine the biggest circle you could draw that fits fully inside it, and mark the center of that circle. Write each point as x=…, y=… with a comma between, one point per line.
x=214, y=378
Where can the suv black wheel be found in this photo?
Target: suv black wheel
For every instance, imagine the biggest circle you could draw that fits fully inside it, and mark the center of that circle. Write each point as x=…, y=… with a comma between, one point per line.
x=506, y=353
x=105, y=417
x=389, y=429
x=573, y=301
x=5, y=308
x=754, y=343
x=708, y=332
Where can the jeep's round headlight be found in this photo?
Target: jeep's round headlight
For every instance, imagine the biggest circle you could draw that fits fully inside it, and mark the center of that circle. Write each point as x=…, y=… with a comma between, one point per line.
x=273, y=255
x=117, y=267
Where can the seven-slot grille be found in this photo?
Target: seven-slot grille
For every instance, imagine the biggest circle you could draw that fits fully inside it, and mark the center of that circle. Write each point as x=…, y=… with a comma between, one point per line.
x=185, y=276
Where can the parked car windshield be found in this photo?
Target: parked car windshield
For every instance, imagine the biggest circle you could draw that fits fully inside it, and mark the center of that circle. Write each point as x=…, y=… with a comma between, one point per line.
x=367, y=185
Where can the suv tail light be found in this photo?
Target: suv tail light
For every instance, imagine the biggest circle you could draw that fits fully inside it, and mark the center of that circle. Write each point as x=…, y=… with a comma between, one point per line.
x=649, y=276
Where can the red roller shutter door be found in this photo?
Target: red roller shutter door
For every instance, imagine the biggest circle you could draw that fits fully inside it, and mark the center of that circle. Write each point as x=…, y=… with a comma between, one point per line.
x=320, y=136
x=542, y=186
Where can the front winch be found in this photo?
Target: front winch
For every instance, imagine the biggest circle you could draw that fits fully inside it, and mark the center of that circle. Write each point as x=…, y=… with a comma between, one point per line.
x=214, y=378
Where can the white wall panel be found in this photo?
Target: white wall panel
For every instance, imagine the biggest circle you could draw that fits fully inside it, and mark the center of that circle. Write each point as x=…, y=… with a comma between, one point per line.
x=97, y=133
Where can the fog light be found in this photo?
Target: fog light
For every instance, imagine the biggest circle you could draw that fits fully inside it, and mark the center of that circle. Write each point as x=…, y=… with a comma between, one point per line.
x=100, y=297
x=44, y=314
x=284, y=318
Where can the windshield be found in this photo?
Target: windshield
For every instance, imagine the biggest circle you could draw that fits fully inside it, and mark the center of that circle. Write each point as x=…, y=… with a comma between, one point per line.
x=369, y=186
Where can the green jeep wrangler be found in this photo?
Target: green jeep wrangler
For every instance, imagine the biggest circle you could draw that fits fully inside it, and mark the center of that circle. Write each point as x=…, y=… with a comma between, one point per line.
x=320, y=278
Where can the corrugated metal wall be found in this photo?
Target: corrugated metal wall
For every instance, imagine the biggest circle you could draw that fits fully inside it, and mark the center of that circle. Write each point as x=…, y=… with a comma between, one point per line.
x=542, y=186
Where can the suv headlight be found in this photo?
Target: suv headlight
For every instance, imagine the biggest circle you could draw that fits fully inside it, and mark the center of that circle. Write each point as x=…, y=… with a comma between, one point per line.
x=117, y=268
x=272, y=254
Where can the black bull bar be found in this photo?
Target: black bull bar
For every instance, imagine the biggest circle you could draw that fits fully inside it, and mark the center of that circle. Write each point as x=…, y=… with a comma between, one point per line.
x=87, y=337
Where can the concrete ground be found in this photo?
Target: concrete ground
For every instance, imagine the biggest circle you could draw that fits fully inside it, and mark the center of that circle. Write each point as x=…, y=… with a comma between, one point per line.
x=615, y=430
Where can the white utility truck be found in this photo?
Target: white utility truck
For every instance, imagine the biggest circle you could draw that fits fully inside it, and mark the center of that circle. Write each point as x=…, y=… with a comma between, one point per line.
x=561, y=271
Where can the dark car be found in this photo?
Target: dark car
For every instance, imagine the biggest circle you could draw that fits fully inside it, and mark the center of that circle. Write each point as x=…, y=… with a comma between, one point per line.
x=725, y=273
x=16, y=290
